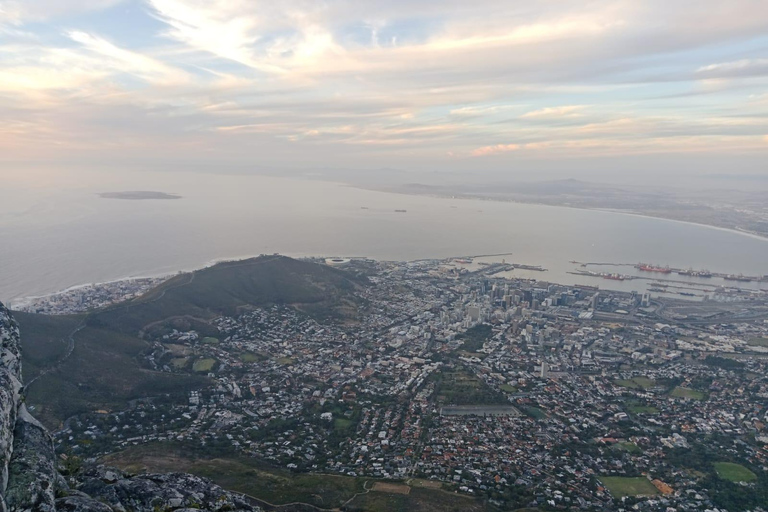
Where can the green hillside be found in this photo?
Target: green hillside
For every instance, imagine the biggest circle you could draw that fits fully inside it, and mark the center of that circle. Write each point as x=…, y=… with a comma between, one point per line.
x=45, y=340
x=80, y=363
x=101, y=373
x=224, y=289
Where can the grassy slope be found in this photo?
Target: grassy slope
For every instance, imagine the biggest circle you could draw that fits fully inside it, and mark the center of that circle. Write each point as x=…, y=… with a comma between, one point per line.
x=278, y=486
x=103, y=371
x=417, y=500
x=225, y=288
x=44, y=340
x=734, y=472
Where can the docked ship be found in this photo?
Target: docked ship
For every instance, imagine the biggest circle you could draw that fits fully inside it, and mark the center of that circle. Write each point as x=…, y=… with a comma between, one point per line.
x=695, y=273
x=740, y=278
x=653, y=268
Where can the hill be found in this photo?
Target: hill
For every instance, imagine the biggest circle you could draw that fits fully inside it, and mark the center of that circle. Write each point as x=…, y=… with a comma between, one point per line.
x=81, y=363
x=228, y=288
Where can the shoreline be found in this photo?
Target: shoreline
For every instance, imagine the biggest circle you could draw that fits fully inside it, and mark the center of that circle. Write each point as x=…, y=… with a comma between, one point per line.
x=27, y=299
x=630, y=213
x=24, y=300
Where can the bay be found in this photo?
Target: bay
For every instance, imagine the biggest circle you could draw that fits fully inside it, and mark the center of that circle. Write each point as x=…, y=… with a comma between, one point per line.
x=64, y=234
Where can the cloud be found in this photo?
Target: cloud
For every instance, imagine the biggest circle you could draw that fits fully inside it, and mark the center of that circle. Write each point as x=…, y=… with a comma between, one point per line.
x=743, y=67
x=220, y=28
x=481, y=111
x=22, y=11
x=126, y=61
x=381, y=80
x=494, y=150
x=555, y=112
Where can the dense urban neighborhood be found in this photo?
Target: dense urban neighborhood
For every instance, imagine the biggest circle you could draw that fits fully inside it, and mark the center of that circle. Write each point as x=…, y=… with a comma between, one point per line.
x=517, y=392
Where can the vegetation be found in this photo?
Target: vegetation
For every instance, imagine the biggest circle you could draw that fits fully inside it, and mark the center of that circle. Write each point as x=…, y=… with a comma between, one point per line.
x=733, y=496
x=250, y=357
x=636, y=383
x=722, y=477
x=630, y=447
x=204, y=365
x=277, y=486
x=681, y=392
x=734, y=472
x=535, y=413
x=758, y=342
x=642, y=409
x=419, y=499
x=45, y=340
x=227, y=288
x=620, y=486
x=342, y=424
x=475, y=337
x=242, y=474
x=102, y=373
x=724, y=362
x=179, y=362
x=461, y=387
x=103, y=370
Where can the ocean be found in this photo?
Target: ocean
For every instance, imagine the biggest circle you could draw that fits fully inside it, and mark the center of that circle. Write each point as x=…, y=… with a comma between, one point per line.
x=61, y=233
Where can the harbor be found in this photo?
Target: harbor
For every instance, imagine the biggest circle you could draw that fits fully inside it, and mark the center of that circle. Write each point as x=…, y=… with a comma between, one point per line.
x=689, y=272
x=685, y=283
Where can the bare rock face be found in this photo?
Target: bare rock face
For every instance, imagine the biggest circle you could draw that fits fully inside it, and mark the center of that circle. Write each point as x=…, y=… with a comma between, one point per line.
x=29, y=481
x=153, y=492
x=10, y=386
x=32, y=474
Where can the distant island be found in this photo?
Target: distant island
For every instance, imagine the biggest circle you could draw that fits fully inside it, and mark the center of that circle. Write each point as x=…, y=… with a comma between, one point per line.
x=138, y=194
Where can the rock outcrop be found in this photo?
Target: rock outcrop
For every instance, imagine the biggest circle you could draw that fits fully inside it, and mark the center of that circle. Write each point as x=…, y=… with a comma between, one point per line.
x=29, y=480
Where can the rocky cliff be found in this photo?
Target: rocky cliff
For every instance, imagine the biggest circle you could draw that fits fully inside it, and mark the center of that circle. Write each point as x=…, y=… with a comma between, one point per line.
x=29, y=480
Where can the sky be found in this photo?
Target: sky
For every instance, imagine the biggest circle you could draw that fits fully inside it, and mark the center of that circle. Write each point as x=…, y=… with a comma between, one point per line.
x=503, y=87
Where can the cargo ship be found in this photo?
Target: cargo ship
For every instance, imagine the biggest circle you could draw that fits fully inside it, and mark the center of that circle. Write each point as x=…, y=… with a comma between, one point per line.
x=695, y=273
x=604, y=275
x=653, y=268
x=740, y=278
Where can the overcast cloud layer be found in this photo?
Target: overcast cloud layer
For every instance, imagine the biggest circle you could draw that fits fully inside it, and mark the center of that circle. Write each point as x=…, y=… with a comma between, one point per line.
x=413, y=84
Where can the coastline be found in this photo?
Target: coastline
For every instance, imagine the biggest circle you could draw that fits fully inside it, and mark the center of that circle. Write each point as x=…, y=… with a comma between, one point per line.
x=22, y=299
x=630, y=213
